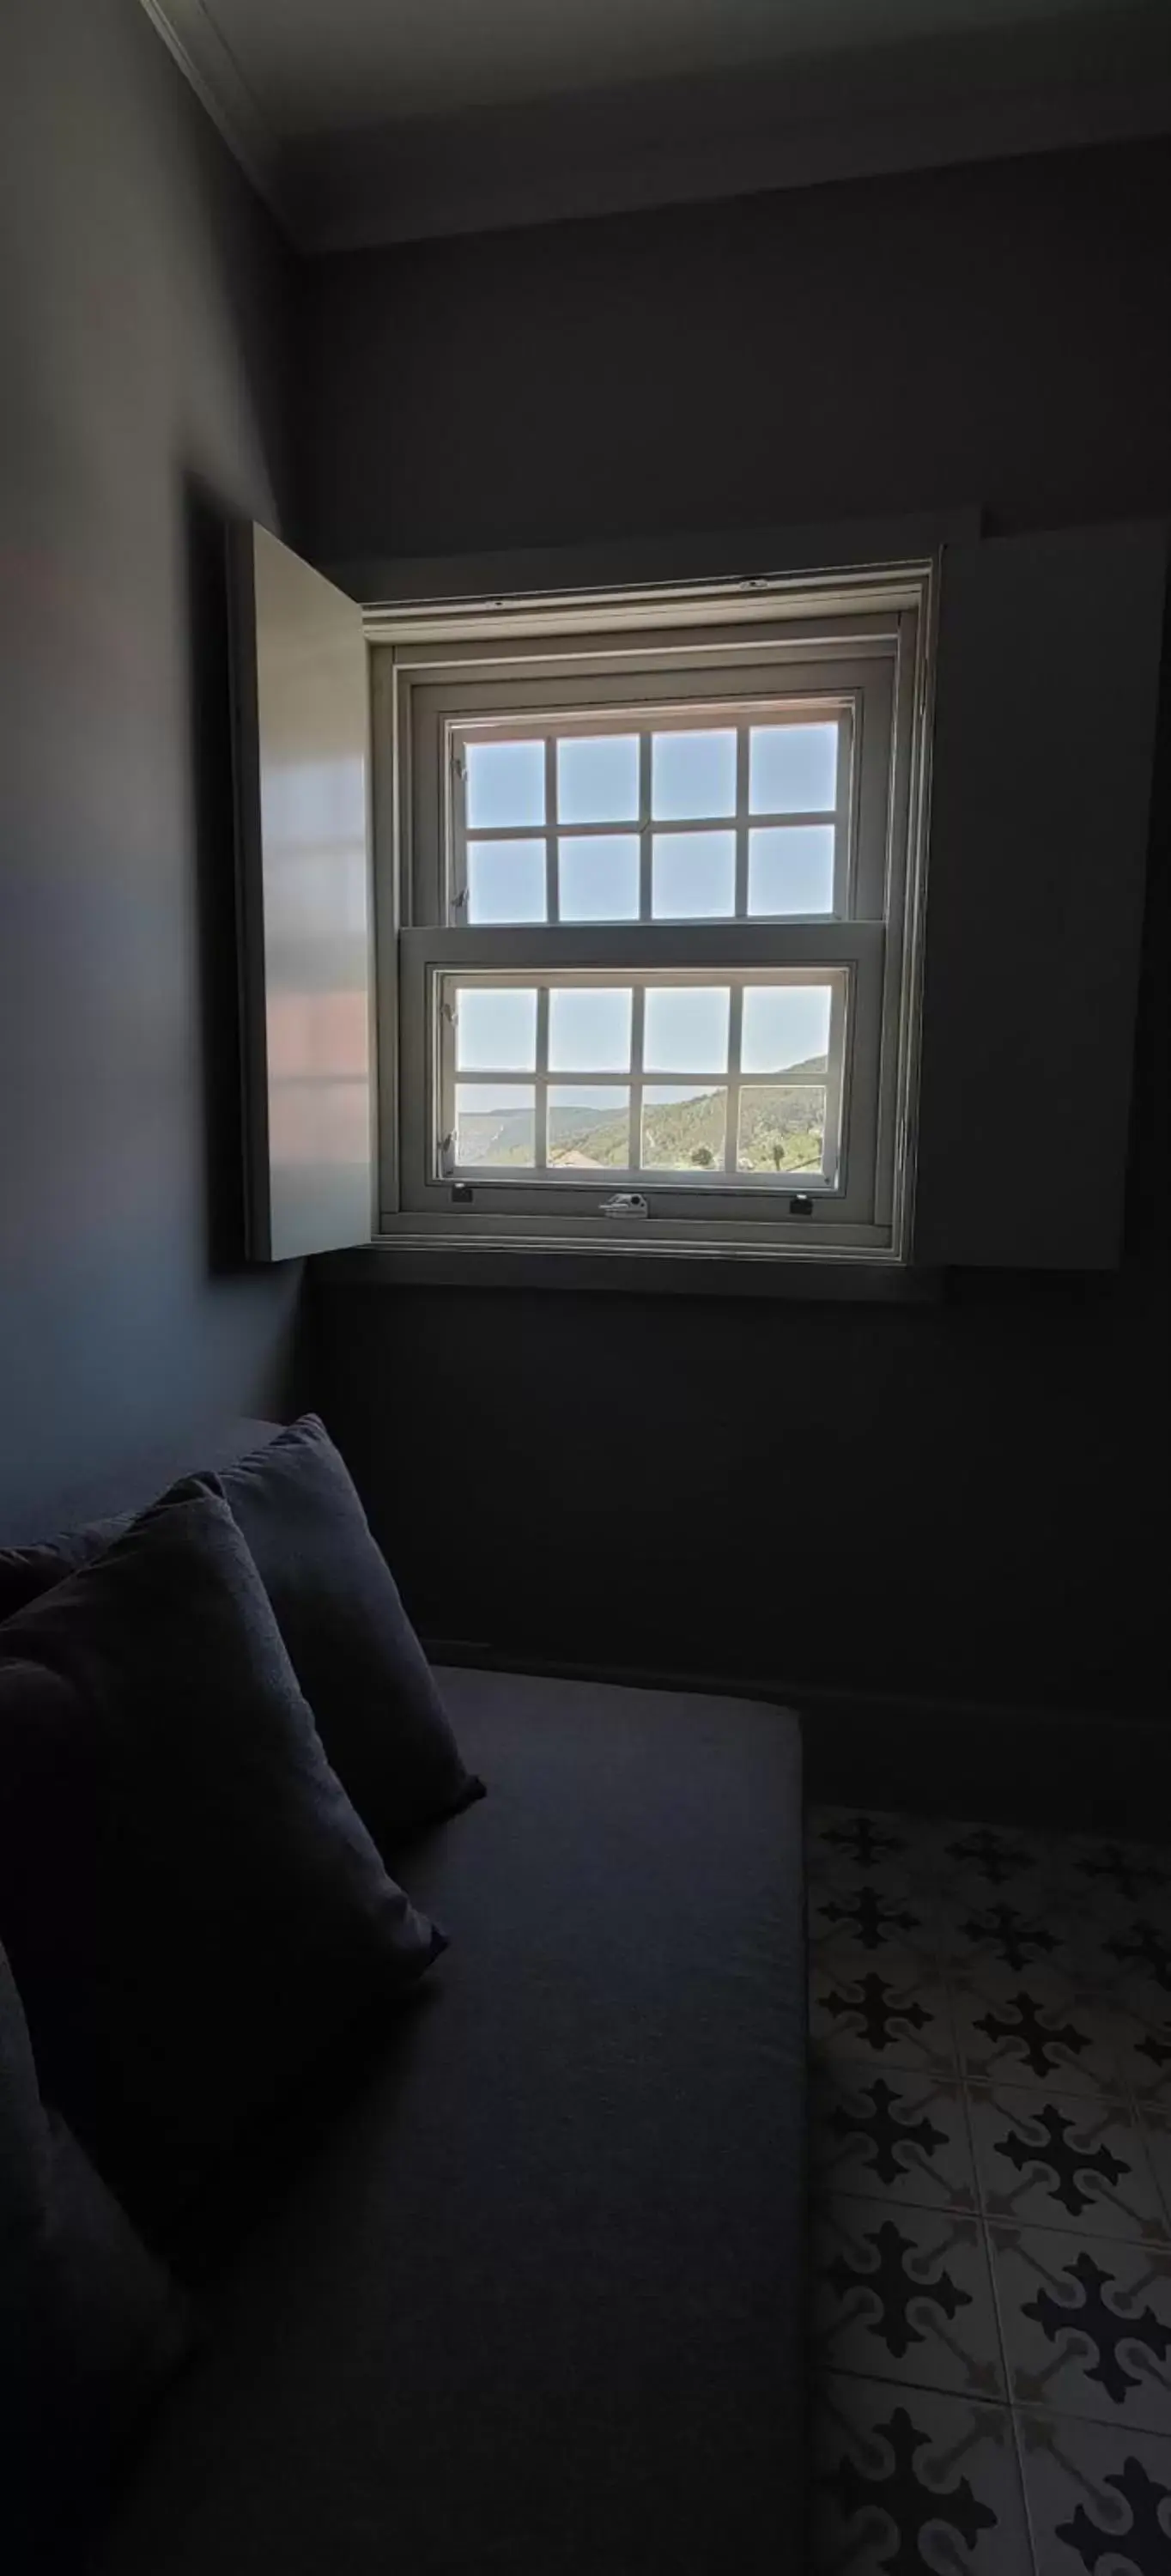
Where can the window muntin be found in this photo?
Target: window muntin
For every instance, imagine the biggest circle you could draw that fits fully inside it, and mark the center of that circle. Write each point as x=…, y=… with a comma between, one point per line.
x=677, y=818
x=716, y=1077
x=832, y=887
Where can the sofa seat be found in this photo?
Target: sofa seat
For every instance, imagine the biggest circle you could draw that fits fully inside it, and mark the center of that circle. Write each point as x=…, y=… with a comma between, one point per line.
x=531, y=2302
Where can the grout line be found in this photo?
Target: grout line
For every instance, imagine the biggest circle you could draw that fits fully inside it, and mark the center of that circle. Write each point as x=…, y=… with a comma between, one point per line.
x=1018, y=2449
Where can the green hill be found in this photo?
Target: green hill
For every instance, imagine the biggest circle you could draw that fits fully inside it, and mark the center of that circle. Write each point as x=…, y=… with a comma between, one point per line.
x=781, y=1129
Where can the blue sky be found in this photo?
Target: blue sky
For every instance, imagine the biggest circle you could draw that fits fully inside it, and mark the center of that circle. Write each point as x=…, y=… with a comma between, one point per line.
x=792, y=769
x=686, y=1029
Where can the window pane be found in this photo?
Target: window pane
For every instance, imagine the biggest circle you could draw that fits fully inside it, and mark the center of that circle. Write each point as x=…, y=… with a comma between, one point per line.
x=494, y=1126
x=692, y=775
x=683, y=1131
x=589, y=1130
x=686, y=1028
x=785, y=1025
x=791, y=869
x=589, y=1029
x=793, y=769
x=597, y=779
x=496, y=1031
x=599, y=877
x=782, y=1129
x=505, y=785
x=693, y=876
x=506, y=881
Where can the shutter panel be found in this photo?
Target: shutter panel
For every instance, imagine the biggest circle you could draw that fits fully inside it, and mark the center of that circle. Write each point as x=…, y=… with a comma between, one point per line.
x=302, y=741
x=1046, y=708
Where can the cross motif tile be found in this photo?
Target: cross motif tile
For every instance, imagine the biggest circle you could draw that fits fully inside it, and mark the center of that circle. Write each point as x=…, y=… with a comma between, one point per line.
x=1029, y=2036
x=903, y=2293
x=893, y=2136
x=909, y=2480
x=1099, y=2497
x=1048, y=2160
x=991, y=2158
x=880, y=2016
x=1086, y=2323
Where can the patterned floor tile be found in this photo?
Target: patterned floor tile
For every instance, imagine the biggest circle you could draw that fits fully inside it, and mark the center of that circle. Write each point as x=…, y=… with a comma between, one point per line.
x=852, y=1842
x=875, y=2018
x=1155, y=2129
x=893, y=2137
x=1143, y=2050
x=994, y=1943
x=1046, y=2160
x=905, y=2294
x=1099, y=2498
x=991, y=1864
x=1035, y=2033
x=1136, y=1955
x=1119, y=1875
x=1086, y=2324
x=913, y=2481
x=871, y=1925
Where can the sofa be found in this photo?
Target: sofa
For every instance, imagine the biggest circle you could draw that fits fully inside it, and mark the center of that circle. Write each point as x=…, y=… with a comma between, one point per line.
x=516, y=2285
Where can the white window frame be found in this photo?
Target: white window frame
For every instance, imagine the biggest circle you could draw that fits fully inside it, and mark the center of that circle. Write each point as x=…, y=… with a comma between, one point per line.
x=861, y=642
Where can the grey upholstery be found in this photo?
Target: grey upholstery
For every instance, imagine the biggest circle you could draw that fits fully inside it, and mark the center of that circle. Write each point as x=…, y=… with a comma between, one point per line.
x=530, y=2303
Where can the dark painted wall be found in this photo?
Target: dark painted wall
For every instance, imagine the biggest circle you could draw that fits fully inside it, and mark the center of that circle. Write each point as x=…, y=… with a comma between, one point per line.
x=144, y=348
x=951, y=1500
x=994, y=334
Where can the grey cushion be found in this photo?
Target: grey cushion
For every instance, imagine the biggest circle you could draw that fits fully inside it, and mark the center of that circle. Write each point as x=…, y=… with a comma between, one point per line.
x=352, y=1646
x=26, y=1572
x=91, y=2327
x=533, y=2301
x=192, y=1908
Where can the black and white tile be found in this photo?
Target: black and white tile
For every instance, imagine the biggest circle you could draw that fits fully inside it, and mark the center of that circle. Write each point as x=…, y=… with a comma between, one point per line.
x=893, y=2136
x=911, y=2479
x=1099, y=2501
x=1044, y=2159
x=1086, y=2322
x=1040, y=2032
x=990, y=2028
x=893, y=2015
x=904, y=2293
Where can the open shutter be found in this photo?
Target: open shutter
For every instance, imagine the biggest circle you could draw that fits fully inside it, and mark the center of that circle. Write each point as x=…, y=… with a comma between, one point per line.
x=303, y=751
x=1046, y=710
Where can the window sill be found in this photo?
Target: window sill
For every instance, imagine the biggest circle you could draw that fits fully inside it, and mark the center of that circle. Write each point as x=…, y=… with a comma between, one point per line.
x=626, y=1269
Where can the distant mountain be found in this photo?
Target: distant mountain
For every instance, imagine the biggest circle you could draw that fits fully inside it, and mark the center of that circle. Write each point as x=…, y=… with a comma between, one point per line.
x=782, y=1124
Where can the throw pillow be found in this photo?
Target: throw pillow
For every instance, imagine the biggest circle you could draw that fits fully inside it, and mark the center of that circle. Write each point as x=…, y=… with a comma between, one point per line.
x=353, y=1648
x=91, y=2327
x=193, y=1910
x=26, y=1572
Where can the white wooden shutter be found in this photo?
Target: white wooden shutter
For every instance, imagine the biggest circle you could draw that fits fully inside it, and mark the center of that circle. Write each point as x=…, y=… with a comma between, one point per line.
x=302, y=739
x=1046, y=709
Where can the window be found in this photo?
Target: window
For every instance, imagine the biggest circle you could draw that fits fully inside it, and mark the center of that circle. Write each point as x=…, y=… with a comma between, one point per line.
x=659, y=897
x=647, y=924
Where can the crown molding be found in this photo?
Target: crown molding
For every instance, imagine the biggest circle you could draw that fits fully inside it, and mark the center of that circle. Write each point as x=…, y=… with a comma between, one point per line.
x=208, y=64
x=921, y=104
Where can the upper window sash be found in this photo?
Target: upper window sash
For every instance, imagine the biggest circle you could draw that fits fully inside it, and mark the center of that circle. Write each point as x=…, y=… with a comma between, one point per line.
x=640, y=823
x=856, y=677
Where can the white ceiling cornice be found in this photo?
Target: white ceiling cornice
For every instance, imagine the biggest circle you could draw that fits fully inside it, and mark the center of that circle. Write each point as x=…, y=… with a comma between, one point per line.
x=219, y=84
x=920, y=105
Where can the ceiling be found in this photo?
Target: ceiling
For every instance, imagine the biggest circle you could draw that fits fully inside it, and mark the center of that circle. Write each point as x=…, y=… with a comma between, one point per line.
x=320, y=66
x=371, y=119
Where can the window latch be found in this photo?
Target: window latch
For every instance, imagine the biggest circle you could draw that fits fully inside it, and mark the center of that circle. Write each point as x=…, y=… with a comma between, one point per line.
x=626, y=1203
